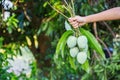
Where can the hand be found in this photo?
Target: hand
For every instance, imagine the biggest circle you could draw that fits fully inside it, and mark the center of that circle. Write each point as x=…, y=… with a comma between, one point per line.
x=77, y=21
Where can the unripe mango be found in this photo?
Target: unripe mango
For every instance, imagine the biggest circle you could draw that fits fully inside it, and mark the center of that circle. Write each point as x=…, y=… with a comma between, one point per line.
x=74, y=51
x=71, y=41
x=81, y=57
x=85, y=49
x=82, y=41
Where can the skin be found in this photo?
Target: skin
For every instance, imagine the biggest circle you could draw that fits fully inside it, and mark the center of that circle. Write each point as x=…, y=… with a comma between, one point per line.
x=110, y=14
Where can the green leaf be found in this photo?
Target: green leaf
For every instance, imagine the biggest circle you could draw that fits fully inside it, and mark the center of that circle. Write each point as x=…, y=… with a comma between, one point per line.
x=86, y=76
x=15, y=20
x=72, y=63
x=1, y=41
x=86, y=66
x=15, y=24
x=93, y=43
x=62, y=43
x=9, y=28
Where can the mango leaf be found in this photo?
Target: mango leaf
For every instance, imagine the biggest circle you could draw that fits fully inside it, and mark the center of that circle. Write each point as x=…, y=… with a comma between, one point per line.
x=86, y=76
x=93, y=43
x=61, y=44
x=72, y=63
x=86, y=66
x=1, y=41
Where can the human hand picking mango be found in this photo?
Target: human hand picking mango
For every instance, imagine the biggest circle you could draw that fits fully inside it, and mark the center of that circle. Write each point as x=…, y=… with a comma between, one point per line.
x=110, y=14
x=77, y=21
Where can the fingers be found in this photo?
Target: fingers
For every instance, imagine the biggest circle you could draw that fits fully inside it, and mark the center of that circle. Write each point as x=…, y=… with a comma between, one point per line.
x=72, y=19
x=76, y=21
x=73, y=22
x=81, y=24
x=76, y=24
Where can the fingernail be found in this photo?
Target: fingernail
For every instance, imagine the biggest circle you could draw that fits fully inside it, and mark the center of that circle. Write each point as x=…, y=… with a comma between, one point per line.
x=76, y=26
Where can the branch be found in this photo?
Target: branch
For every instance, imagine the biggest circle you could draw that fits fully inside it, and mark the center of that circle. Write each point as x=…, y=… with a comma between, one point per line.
x=58, y=11
x=96, y=35
x=113, y=34
x=104, y=46
x=94, y=56
x=26, y=15
x=16, y=2
x=95, y=29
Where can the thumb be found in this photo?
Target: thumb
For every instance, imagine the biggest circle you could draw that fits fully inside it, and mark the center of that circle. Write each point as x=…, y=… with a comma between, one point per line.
x=72, y=19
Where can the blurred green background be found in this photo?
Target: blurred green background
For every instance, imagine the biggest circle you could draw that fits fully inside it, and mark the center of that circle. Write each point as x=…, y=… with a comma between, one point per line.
x=31, y=29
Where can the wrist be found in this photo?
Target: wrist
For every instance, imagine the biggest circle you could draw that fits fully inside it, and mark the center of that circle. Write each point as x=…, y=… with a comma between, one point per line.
x=86, y=19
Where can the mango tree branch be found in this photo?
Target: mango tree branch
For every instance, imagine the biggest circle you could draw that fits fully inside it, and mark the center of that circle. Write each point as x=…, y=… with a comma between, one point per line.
x=96, y=35
x=66, y=2
x=73, y=8
x=70, y=8
x=113, y=34
x=67, y=10
x=58, y=11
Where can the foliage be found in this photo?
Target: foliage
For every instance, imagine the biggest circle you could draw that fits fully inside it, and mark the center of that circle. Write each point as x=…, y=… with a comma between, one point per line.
x=35, y=24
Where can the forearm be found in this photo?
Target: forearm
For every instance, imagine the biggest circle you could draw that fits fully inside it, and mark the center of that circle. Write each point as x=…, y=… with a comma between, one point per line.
x=111, y=14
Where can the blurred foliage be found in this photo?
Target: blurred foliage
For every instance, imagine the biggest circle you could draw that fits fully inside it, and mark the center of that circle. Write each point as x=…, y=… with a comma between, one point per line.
x=35, y=24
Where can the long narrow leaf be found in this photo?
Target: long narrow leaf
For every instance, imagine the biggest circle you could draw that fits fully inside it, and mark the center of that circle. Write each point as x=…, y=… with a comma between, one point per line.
x=86, y=66
x=72, y=63
x=62, y=43
x=93, y=43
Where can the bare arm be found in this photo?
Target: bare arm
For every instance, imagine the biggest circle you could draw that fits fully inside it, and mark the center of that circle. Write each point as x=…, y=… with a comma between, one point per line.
x=111, y=14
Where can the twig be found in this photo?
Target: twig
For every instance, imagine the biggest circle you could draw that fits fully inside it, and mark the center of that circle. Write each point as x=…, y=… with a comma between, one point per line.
x=58, y=11
x=66, y=2
x=16, y=2
x=68, y=5
x=104, y=46
x=3, y=14
x=96, y=35
x=113, y=34
x=68, y=10
x=26, y=15
x=48, y=19
x=95, y=29
x=94, y=56
x=73, y=8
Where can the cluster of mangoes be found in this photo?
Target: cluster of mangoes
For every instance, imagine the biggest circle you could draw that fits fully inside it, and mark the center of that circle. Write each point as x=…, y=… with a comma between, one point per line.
x=78, y=47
